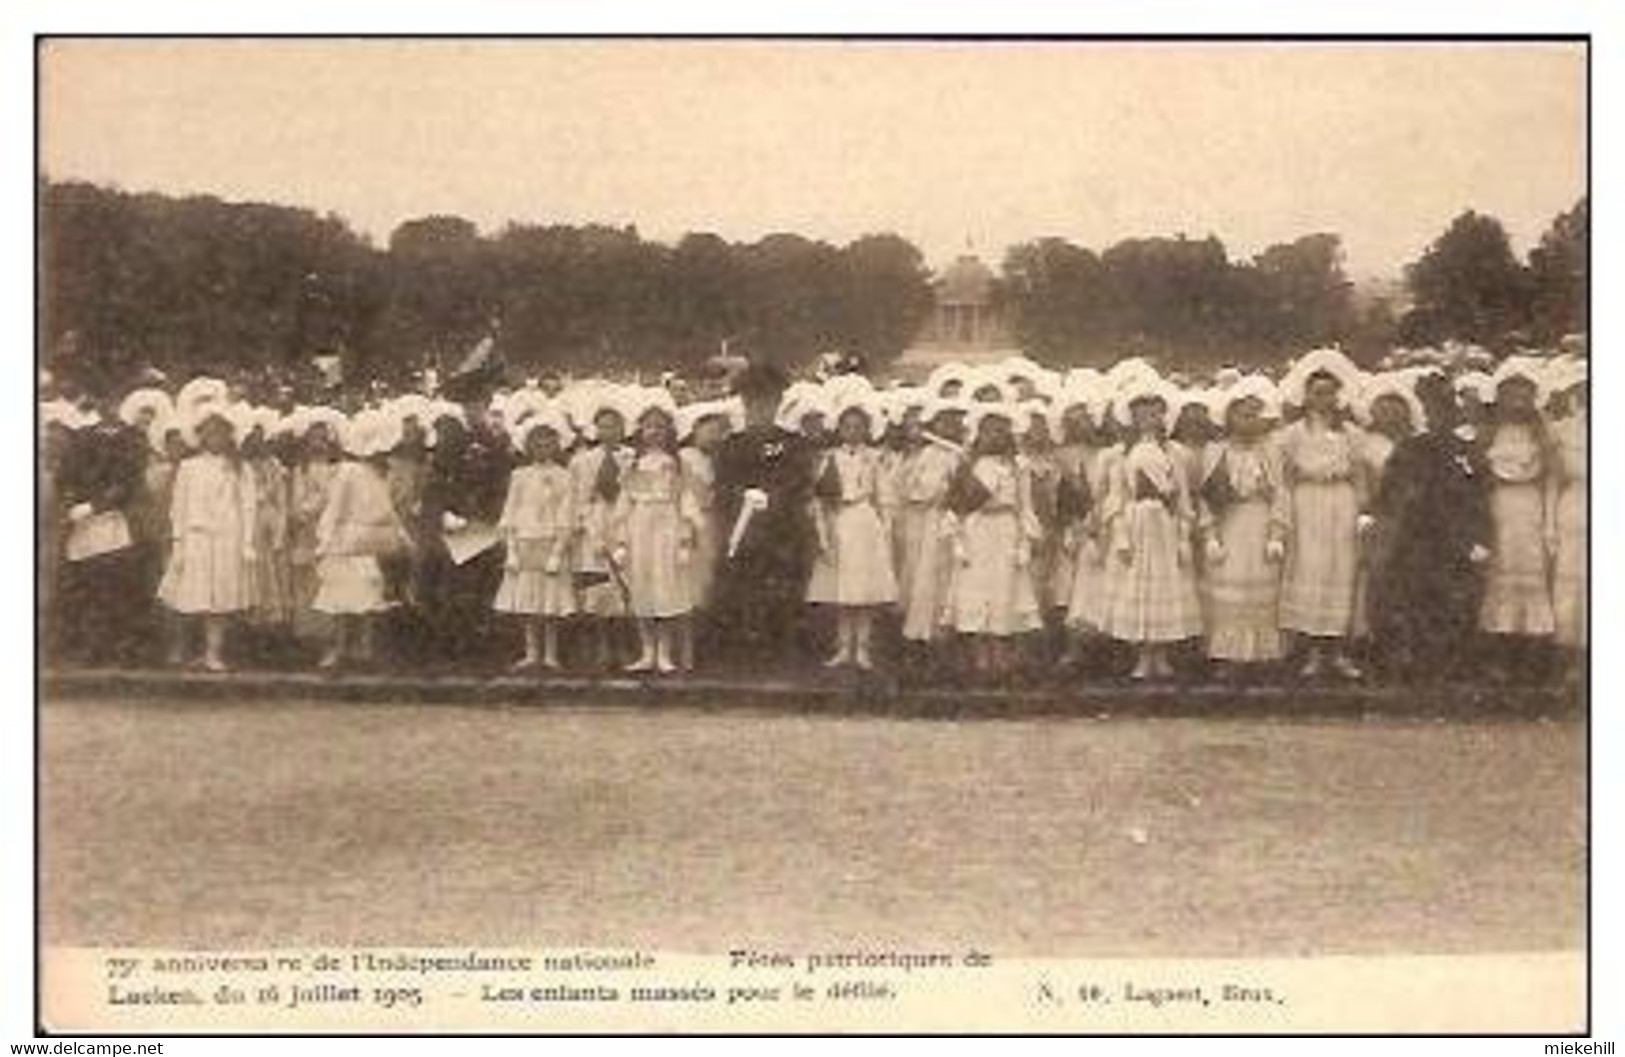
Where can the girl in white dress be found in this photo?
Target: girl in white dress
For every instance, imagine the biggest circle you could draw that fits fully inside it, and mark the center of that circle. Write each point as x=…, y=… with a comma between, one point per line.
x=158, y=485
x=1567, y=530
x=1039, y=460
x=1086, y=485
x=708, y=425
x=211, y=552
x=1327, y=485
x=653, y=531
x=923, y=524
x=991, y=599
x=851, y=516
x=1244, y=515
x=358, y=527
x=272, y=609
x=596, y=472
x=1148, y=520
x=536, y=524
x=312, y=481
x=1517, y=604
x=1193, y=430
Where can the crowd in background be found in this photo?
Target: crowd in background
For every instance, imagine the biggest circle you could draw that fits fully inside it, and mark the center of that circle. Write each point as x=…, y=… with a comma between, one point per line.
x=998, y=522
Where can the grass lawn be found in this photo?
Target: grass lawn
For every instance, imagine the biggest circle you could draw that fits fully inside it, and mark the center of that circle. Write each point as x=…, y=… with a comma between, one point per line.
x=282, y=823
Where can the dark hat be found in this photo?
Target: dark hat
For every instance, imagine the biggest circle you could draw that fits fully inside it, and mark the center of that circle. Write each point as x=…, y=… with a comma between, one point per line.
x=760, y=380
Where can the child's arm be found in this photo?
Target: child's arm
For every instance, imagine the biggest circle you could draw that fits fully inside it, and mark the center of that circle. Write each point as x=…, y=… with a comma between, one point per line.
x=333, y=510
x=247, y=512
x=508, y=522
x=1032, y=526
x=565, y=538
x=1280, y=499
x=179, y=498
x=886, y=498
x=1551, y=489
x=1112, y=528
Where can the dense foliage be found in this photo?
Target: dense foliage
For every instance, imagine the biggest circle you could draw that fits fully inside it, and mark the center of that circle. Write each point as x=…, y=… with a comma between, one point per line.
x=190, y=284
x=130, y=281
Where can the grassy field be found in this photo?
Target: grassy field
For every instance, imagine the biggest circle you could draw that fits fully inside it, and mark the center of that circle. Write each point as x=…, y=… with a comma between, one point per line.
x=270, y=823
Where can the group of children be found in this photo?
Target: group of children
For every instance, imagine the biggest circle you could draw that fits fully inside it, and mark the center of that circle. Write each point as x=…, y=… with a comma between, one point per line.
x=990, y=521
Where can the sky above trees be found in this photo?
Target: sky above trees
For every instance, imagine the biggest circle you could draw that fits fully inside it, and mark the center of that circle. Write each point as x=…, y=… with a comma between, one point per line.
x=998, y=144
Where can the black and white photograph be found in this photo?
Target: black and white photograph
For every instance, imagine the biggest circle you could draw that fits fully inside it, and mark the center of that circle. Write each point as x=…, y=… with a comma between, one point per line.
x=800, y=535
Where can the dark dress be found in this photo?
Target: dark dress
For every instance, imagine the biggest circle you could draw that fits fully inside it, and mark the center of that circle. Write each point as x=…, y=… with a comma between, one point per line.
x=761, y=590
x=107, y=602
x=1433, y=507
x=467, y=476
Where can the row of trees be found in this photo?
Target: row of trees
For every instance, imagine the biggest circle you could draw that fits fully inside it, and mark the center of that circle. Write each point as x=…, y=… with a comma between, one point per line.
x=1177, y=296
x=1471, y=286
x=1186, y=299
x=198, y=283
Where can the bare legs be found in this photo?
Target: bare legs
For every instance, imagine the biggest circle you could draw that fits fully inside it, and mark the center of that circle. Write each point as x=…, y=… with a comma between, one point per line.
x=215, y=628
x=655, y=646
x=1327, y=652
x=854, y=638
x=1152, y=662
x=355, y=638
x=541, y=645
x=175, y=633
x=684, y=631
